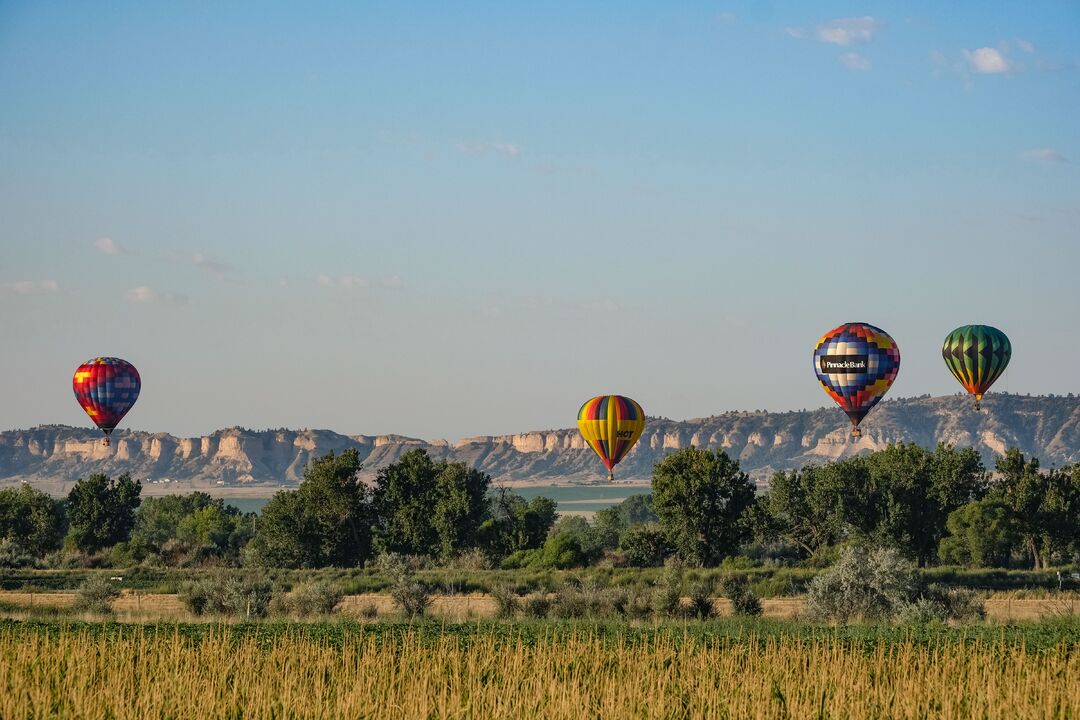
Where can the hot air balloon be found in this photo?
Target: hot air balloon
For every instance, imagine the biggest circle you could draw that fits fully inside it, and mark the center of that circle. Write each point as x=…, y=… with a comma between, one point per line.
x=856, y=363
x=611, y=424
x=106, y=388
x=976, y=355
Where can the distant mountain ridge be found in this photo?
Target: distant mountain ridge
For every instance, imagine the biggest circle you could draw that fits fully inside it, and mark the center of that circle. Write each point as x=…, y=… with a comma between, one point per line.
x=1047, y=427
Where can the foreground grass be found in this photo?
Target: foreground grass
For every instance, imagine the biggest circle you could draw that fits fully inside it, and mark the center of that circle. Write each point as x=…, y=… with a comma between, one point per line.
x=757, y=669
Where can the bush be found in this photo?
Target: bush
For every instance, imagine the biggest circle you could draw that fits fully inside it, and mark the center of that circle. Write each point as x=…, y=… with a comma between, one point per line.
x=638, y=605
x=506, y=602
x=667, y=594
x=368, y=611
x=411, y=596
x=228, y=594
x=644, y=545
x=96, y=595
x=701, y=601
x=744, y=602
x=537, y=605
x=864, y=585
x=13, y=556
x=313, y=598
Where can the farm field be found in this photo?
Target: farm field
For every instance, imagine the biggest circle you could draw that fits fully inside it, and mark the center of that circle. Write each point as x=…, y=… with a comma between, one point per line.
x=751, y=669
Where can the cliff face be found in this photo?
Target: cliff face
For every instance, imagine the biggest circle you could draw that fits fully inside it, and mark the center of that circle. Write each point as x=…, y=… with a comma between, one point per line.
x=1046, y=427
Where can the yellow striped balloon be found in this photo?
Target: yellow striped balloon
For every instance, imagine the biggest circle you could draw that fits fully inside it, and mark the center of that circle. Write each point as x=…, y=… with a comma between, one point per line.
x=611, y=424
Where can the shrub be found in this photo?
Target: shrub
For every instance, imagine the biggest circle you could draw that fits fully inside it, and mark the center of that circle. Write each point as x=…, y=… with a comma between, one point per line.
x=644, y=545
x=96, y=595
x=863, y=584
x=667, y=594
x=12, y=555
x=411, y=596
x=638, y=605
x=537, y=605
x=228, y=594
x=701, y=601
x=314, y=598
x=506, y=602
x=744, y=601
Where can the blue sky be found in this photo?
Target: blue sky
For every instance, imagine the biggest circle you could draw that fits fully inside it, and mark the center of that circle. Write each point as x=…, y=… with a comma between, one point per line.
x=446, y=220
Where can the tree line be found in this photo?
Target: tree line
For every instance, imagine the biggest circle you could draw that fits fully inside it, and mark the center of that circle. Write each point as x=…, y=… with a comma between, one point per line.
x=934, y=506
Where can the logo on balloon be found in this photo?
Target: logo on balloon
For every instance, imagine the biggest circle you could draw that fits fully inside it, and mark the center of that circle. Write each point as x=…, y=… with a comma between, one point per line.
x=833, y=364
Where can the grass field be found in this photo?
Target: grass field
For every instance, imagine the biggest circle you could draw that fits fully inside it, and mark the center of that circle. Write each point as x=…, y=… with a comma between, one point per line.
x=722, y=669
x=142, y=607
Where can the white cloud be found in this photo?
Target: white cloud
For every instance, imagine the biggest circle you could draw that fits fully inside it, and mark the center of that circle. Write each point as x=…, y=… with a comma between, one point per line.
x=849, y=31
x=987, y=61
x=29, y=287
x=108, y=246
x=146, y=295
x=855, y=61
x=474, y=148
x=350, y=282
x=1044, y=155
x=795, y=32
x=218, y=269
x=1025, y=45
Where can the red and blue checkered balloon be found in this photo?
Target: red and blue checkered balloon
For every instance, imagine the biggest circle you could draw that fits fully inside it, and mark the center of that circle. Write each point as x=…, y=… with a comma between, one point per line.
x=106, y=388
x=856, y=364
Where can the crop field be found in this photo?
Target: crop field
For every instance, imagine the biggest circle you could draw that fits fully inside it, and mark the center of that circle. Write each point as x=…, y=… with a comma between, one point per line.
x=751, y=670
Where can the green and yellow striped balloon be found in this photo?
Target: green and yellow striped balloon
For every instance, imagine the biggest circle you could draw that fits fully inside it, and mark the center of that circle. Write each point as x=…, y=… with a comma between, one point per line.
x=976, y=355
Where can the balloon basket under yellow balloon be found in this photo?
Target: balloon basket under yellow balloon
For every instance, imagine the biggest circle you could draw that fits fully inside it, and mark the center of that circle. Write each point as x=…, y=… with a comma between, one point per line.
x=105, y=441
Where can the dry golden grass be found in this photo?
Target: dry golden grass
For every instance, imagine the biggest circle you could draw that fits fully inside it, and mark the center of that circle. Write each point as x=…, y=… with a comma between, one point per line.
x=154, y=606
x=137, y=674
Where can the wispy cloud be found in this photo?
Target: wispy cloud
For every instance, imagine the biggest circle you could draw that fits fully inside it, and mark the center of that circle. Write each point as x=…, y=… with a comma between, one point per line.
x=349, y=282
x=795, y=32
x=218, y=269
x=987, y=61
x=855, y=61
x=1044, y=155
x=29, y=287
x=727, y=18
x=146, y=295
x=108, y=246
x=849, y=31
x=472, y=147
x=1026, y=46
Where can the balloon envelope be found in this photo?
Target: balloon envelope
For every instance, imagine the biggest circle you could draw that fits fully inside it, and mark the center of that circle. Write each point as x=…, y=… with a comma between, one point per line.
x=856, y=363
x=611, y=424
x=106, y=388
x=976, y=355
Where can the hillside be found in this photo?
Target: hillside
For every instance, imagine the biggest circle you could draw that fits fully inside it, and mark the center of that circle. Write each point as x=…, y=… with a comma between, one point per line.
x=1047, y=427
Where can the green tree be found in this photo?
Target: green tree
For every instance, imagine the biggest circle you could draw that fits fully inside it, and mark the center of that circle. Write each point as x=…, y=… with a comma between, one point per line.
x=515, y=524
x=461, y=506
x=1045, y=505
x=700, y=498
x=326, y=521
x=611, y=522
x=423, y=507
x=917, y=489
x=981, y=534
x=102, y=511
x=31, y=520
x=644, y=545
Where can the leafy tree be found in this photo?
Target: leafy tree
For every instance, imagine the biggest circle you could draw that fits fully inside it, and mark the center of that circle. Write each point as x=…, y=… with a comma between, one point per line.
x=644, y=545
x=460, y=506
x=611, y=522
x=423, y=507
x=326, y=521
x=515, y=524
x=700, y=498
x=1045, y=505
x=916, y=490
x=981, y=534
x=31, y=521
x=102, y=511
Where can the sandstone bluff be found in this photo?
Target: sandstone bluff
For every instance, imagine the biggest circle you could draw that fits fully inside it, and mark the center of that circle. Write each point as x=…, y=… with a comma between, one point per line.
x=1047, y=427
